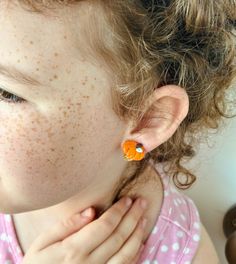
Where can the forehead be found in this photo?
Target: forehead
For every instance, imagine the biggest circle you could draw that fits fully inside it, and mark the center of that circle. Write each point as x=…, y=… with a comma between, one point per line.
x=30, y=39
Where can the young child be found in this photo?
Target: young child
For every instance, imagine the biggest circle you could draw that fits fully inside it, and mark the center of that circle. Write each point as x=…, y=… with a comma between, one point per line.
x=101, y=100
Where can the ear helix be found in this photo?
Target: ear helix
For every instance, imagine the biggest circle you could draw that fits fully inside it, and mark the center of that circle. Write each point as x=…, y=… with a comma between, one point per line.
x=133, y=150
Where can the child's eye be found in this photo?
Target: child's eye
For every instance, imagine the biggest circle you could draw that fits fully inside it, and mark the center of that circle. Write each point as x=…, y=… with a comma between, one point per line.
x=10, y=98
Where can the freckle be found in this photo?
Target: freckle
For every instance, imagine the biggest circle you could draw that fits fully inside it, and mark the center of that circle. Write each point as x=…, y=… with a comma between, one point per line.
x=72, y=147
x=55, y=54
x=95, y=78
x=18, y=61
x=50, y=79
x=83, y=83
x=25, y=57
x=68, y=107
x=37, y=69
x=52, y=149
x=17, y=50
x=55, y=77
x=65, y=37
x=78, y=103
x=31, y=42
x=86, y=96
x=72, y=138
x=65, y=113
x=38, y=62
x=92, y=87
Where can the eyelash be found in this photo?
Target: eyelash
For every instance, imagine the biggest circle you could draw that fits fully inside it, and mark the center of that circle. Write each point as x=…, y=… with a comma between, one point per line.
x=13, y=98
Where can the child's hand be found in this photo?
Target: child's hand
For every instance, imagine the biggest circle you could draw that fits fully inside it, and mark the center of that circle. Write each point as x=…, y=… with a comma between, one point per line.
x=113, y=238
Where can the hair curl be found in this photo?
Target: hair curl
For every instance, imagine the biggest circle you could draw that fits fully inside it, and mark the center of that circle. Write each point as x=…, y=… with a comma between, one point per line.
x=151, y=43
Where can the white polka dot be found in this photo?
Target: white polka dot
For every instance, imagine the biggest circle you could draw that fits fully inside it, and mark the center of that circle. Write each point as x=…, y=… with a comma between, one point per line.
x=173, y=262
x=146, y=262
x=151, y=250
x=3, y=237
x=7, y=217
x=155, y=262
x=190, y=200
x=9, y=238
x=176, y=222
x=154, y=230
x=196, y=237
x=175, y=246
x=175, y=202
x=183, y=217
x=179, y=201
x=18, y=250
x=186, y=251
x=170, y=210
x=180, y=234
x=196, y=225
x=161, y=238
x=8, y=262
x=164, y=248
x=166, y=193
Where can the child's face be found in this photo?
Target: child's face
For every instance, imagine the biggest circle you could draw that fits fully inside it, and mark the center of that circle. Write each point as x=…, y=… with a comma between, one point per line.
x=57, y=143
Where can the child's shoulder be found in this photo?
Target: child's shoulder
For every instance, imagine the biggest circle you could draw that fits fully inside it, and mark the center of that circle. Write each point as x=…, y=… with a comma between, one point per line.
x=174, y=222
x=206, y=250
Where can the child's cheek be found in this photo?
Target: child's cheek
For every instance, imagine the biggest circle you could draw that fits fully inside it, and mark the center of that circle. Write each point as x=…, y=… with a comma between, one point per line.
x=33, y=154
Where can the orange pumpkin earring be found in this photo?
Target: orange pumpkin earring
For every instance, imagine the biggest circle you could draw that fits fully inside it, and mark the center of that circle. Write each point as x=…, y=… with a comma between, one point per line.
x=133, y=150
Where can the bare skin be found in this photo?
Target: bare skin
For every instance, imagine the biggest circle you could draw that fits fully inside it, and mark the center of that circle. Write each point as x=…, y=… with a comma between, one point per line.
x=30, y=225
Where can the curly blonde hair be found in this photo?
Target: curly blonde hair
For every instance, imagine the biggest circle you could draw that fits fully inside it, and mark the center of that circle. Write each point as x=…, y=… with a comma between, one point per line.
x=151, y=43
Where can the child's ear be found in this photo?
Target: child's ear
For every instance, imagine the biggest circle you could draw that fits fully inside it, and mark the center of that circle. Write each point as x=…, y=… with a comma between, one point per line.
x=168, y=106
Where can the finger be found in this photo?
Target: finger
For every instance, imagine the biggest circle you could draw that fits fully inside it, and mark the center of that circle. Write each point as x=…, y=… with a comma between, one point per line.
x=62, y=230
x=101, y=228
x=138, y=256
x=127, y=226
x=131, y=248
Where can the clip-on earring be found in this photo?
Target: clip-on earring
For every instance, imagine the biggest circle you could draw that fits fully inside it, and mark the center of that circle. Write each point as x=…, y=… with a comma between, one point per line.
x=133, y=150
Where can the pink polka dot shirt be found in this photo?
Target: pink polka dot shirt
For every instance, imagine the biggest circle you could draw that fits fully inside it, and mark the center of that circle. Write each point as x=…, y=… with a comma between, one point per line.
x=174, y=239
x=176, y=235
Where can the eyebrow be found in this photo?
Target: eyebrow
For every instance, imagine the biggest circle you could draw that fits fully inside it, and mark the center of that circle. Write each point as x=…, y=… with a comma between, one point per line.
x=13, y=73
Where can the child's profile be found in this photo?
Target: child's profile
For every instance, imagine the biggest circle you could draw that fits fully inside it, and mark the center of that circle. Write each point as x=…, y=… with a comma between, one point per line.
x=77, y=80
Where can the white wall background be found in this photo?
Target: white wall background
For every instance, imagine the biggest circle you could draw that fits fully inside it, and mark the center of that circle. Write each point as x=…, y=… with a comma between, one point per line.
x=214, y=192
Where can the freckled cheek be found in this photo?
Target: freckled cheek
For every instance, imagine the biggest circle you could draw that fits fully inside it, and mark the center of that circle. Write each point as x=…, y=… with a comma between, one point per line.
x=25, y=150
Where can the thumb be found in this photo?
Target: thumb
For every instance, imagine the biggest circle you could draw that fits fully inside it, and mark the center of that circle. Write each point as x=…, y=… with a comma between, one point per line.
x=63, y=229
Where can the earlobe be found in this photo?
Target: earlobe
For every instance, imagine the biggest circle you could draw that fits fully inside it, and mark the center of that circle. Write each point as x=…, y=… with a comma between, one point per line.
x=168, y=108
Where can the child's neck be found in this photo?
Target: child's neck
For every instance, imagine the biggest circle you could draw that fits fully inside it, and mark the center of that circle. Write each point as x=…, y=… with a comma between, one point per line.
x=29, y=225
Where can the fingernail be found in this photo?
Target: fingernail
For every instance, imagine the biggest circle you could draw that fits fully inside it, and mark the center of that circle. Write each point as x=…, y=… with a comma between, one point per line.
x=87, y=212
